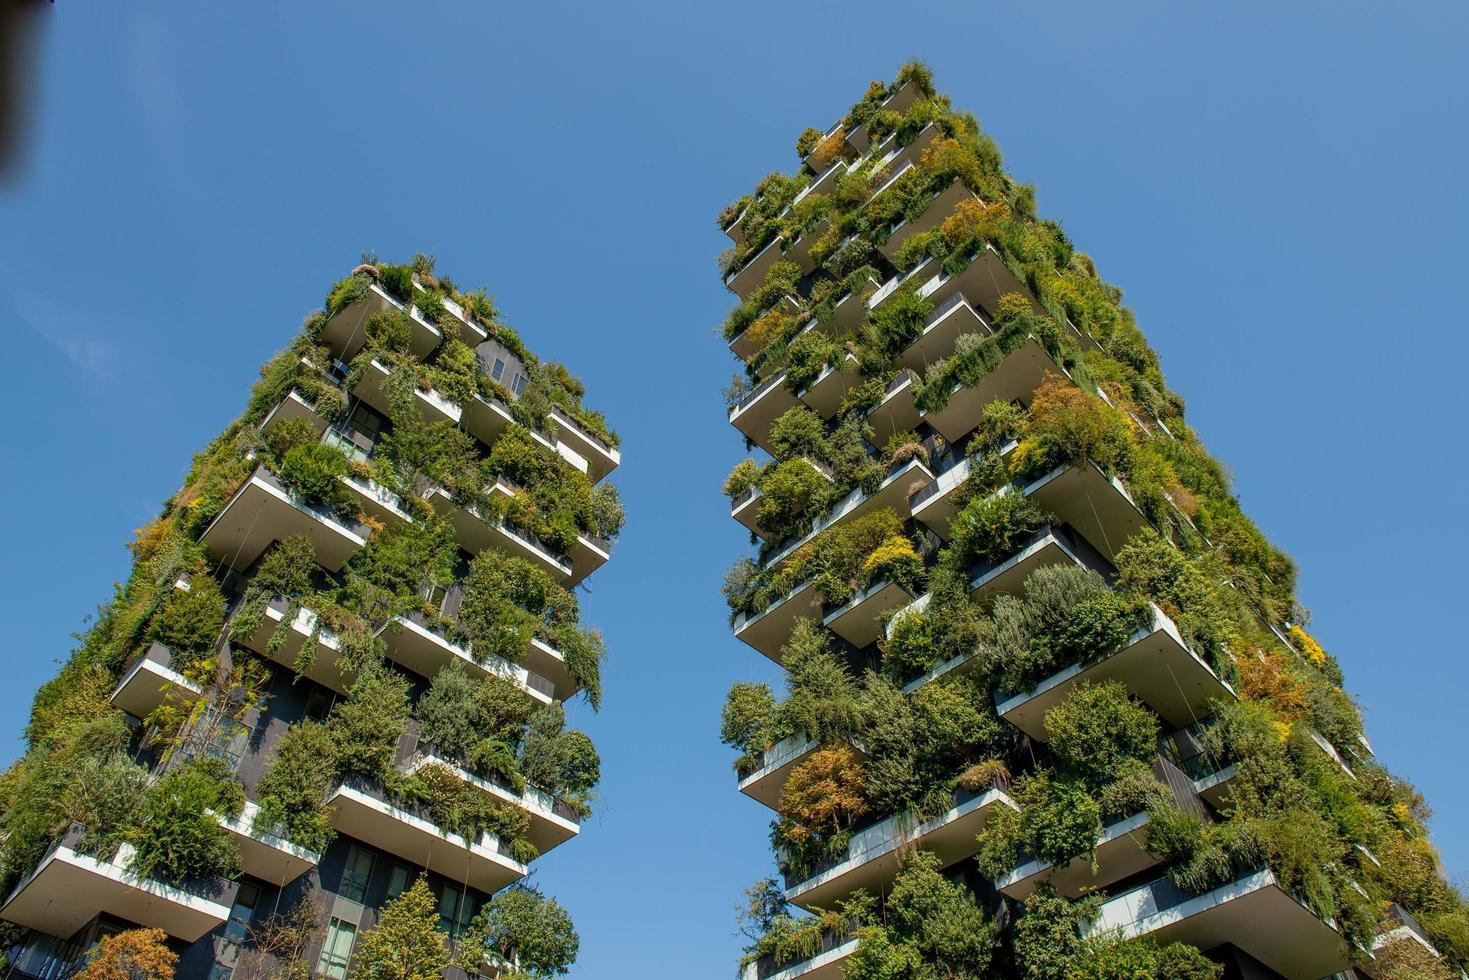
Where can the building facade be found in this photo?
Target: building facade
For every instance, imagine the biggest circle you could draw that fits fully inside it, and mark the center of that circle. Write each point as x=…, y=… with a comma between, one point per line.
x=1046, y=712
x=339, y=664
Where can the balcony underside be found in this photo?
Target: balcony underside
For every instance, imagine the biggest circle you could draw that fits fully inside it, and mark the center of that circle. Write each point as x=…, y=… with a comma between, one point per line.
x=951, y=837
x=1254, y=914
x=1215, y=787
x=422, y=651
x=768, y=631
x=1154, y=665
x=69, y=889
x=828, y=965
x=900, y=102
x=891, y=494
x=940, y=208
x=293, y=406
x=859, y=622
x=824, y=395
x=263, y=511
x=372, y=821
x=748, y=277
x=587, y=555
x=1121, y=852
x=599, y=459
x=346, y=332
x=897, y=412
x=325, y=666
x=940, y=334
x=745, y=345
x=475, y=534
x=767, y=783
x=1096, y=505
x=984, y=280
x=267, y=856
x=548, y=829
x=1014, y=379
x=432, y=407
x=149, y=684
x=754, y=419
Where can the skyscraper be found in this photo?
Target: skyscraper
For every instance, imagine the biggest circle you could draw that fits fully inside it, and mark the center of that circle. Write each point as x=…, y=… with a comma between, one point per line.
x=1051, y=708
x=338, y=666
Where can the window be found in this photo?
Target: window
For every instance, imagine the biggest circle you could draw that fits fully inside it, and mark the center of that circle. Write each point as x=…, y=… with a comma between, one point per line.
x=337, y=950
x=220, y=736
x=455, y=909
x=236, y=931
x=518, y=385
x=498, y=371
x=318, y=703
x=398, y=881
x=356, y=875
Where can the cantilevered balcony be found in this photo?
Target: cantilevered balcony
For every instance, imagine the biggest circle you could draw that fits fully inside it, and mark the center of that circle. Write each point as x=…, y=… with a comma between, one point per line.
x=1399, y=928
x=1155, y=665
x=1049, y=545
x=601, y=457
x=848, y=311
x=1014, y=379
x=897, y=160
x=827, y=962
x=892, y=494
x=263, y=511
x=588, y=554
x=749, y=276
x=937, y=504
x=874, y=855
x=432, y=406
x=346, y=332
x=824, y=395
x=860, y=138
x=473, y=333
x=68, y=889
x=552, y=821
x=475, y=533
x=294, y=406
x=767, y=783
x=896, y=411
x=746, y=507
x=325, y=665
x=756, y=413
x=859, y=619
x=1252, y=913
x=1122, y=851
x=1096, y=505
x=411, y=641
x=983, y=280
x=768, y=630
x=360, y=809
x=149, y=681
x=949, y=321
x=938, y=209
x=264, y=853
x=746, y=345
x=1215, y=787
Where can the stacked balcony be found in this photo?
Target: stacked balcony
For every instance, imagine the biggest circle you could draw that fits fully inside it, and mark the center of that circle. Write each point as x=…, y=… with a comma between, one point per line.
x=263, y=510
x=264, y=853
x=553, y=821
x=149, y=681
x=68, y=888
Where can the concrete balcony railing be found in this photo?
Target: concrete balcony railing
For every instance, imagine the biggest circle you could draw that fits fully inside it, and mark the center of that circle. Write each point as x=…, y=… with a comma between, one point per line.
x=552, y=821
x=294, y=406
x=767, y=783
x=1253, y=913
x=265, y=854
x=828, y=962
x=263, y=510
x=360, y=809
x=414, y=642
x=301, y=624
x=431, y=405
x=68, y=889
x=874, y=855
x=600, y=457
x=149, y=681
x=476, y=533
x=938, y=209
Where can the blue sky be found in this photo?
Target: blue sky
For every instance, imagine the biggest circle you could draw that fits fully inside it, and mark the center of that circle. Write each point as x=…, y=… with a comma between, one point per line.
x=1280, y=192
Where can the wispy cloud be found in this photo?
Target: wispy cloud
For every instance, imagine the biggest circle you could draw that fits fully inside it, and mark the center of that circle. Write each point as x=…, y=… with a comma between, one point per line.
x=97, y=357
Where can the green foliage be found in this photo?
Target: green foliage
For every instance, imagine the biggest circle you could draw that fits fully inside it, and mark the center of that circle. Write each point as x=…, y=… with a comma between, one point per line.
x=292, y=793
x=1058, y=821
x=178, y=837
x=793, y=495
x=314, y=472
x=1099, y=730
x=1046, y=938
x=748, y=723
x=480, y=721
x=405, y=944
x=933, y=928
x=992, y=526
x=1108, y=957
x=526, y=929
x=561, y=761
x=189, y=622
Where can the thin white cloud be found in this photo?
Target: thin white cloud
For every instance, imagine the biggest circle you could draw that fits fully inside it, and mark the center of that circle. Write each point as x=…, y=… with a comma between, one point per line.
x=70, y=333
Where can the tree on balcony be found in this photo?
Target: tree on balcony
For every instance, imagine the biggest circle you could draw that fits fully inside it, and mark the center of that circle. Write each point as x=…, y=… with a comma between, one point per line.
x=406, y=943
x=137, y=954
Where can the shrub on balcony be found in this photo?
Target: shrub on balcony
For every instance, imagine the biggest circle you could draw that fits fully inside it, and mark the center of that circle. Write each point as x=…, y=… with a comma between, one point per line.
x=1109, y=957
x=189, y=622
x=177, y=837
x=1058, y=821
x=991, y=527
x=366, y=725
x=561, y=761
x=314, y=472
x=529, y=931
x=461, y=808
x=824, y=794
x=1099, y=730
x=480, y=721
x=747, y=724
x=932, y=924
x=292, y=793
